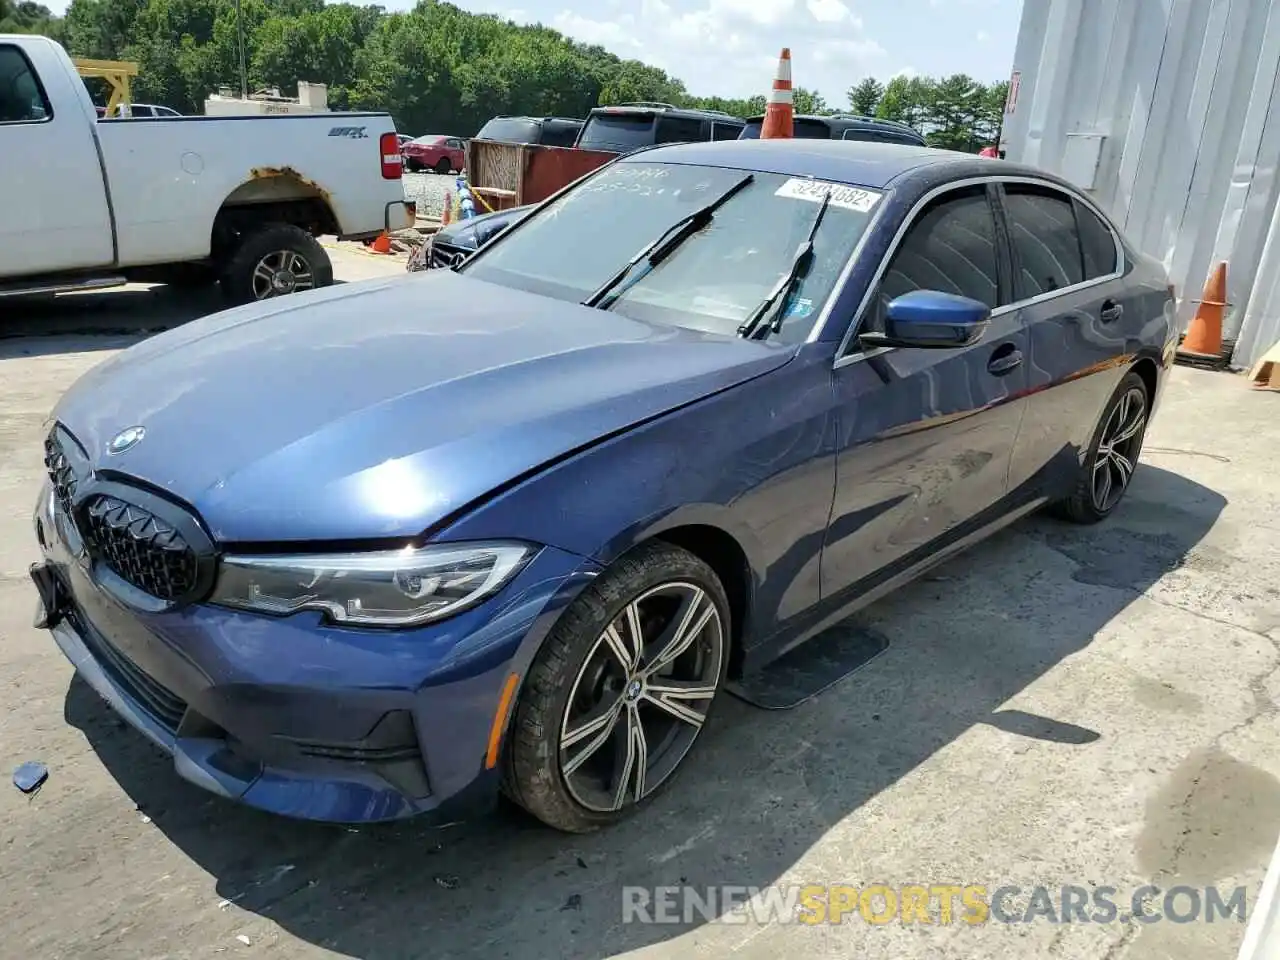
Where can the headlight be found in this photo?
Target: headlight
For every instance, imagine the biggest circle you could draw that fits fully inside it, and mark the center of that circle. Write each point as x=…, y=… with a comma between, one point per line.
x=395, y=588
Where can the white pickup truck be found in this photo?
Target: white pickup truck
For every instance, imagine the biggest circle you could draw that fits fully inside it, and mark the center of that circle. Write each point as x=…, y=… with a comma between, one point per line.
x=88, y=203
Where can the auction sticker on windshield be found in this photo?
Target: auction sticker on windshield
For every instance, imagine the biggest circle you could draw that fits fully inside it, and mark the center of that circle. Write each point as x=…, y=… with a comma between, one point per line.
x=842, y=195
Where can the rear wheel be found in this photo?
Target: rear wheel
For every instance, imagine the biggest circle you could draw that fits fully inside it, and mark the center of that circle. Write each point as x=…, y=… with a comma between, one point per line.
x=1113, y=455
x=620, y=690
x=274, y=260
x=443, y=166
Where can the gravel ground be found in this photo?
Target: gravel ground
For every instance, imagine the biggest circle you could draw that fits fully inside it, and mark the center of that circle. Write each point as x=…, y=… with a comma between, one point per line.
x=428, y=190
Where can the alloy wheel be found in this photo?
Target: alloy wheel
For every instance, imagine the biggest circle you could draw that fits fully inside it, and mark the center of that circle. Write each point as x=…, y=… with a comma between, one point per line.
x=1118, y=450
x=279, y=273
x=641, y=697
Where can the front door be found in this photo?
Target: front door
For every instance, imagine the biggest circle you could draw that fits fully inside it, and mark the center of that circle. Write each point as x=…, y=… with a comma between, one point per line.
x=53, y=207
x=925, y=435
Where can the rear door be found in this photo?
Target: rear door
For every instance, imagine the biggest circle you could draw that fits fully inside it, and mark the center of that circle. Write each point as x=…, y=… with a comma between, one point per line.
x=1068, y=265
x=53, y=203
x=925, y=435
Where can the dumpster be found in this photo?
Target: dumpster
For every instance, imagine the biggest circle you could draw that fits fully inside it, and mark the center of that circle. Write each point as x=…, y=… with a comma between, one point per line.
x=505, y=175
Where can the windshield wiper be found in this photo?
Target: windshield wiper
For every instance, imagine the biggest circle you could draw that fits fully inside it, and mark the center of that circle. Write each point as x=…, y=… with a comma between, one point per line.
x=660, y=249
x=754, y=327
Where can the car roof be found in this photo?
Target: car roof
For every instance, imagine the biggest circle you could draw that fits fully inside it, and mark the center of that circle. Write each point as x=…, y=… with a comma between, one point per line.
x=874, y=165
x=666, y=108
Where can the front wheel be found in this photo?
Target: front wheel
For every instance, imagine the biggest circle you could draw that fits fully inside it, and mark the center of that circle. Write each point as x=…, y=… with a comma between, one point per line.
x=443, y=166
x=1104, y=477
x=620, y=690
x=273, y=260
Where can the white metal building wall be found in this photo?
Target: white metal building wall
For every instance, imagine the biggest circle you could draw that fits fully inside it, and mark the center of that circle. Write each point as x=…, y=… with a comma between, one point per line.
x=1183, y=97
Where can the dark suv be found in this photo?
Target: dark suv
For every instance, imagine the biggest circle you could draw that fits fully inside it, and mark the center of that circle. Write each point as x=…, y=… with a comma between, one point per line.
x=843, y=126
x=625, y=127
x=548, y=131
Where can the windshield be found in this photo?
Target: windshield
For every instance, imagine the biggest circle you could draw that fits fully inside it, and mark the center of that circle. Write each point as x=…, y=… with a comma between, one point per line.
x=802, y=129
x=617, y=132
x=511, y=130
x=429, y=141
x=712, y=281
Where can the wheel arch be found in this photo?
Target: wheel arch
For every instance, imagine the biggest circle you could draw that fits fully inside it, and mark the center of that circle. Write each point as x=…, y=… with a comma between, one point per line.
x=272, y=194
x=709, y=534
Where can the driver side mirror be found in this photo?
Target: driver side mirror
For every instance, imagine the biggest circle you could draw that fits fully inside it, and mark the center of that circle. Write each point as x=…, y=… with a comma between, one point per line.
x=931, y=319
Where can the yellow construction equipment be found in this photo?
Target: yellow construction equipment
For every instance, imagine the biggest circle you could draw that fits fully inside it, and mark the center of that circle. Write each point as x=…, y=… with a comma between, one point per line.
x=117, y=74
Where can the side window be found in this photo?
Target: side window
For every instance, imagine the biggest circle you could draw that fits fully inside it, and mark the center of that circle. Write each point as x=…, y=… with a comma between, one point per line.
x=21, y=98
x=454, y=144
x=725, y=131
x=1046, y=246
x=678, y=130
x=950, y=247
x=1097, y=243
x=559, y=134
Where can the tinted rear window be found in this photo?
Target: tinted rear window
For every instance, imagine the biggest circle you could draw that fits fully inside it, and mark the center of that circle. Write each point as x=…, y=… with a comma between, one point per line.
x=556, y=133
x=801, y=129
x=511, y=130
x=619, y=132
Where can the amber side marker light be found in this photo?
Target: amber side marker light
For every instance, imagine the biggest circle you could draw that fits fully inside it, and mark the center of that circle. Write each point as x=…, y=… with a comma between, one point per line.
x=500, y=720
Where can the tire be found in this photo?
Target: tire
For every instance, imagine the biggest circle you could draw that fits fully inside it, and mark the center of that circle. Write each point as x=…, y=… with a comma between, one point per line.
x=1125, y=414
x=443, y=166
x=578, y=658
x=413, y=166
x=274, y=245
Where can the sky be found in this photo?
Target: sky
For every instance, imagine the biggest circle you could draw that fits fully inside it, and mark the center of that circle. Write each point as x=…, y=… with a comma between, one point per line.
x=730, y=48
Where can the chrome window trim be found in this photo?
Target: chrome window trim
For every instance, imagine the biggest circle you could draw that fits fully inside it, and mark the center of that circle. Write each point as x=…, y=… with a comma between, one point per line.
x=843, y=358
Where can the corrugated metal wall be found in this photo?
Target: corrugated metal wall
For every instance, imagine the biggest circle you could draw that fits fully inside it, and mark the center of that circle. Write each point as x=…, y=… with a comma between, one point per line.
x=1186, y=94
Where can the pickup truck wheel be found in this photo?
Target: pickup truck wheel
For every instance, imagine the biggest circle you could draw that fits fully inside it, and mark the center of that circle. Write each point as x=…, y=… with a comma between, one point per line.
x=443, y=166
x=274, y=260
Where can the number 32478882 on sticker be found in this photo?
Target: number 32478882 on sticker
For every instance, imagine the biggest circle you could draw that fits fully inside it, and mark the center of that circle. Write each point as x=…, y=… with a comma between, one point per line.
x=842, y=195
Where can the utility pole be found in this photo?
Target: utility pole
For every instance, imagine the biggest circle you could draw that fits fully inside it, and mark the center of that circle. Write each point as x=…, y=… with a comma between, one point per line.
x=244, y=77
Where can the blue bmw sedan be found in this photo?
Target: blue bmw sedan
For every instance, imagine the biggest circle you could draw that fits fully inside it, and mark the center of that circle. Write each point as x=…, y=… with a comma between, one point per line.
x=387, y=549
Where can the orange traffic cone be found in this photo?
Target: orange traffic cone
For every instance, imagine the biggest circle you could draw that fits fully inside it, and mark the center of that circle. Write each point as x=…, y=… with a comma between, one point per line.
x=1204, y=336
x=382, y=244
x=779, y=113
x=446, y=213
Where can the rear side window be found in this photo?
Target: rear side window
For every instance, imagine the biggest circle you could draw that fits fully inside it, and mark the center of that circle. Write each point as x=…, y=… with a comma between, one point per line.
x=679, y=130
x=618, y=132
x=951, y=248
x=1097, y=243
x=724, y=131
x=1046, y=245
x=21, y=98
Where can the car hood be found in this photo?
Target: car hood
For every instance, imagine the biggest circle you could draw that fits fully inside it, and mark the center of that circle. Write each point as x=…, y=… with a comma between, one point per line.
x=378, y=409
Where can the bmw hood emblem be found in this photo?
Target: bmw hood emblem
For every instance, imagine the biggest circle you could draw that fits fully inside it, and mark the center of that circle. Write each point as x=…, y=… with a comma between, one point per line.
x=126, y=439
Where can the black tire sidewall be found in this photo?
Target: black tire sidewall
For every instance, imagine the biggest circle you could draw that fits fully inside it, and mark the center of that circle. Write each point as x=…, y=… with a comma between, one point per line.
x=1084, y=489
x=443, y=167
x=237, y=271
x=532, y=775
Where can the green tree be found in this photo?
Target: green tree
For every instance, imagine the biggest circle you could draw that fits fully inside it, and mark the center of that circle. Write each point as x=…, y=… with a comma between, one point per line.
x=437, y=68
x=864, y=97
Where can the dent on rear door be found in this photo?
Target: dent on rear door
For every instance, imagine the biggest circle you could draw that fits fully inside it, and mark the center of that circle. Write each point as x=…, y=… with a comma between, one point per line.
x=1077, y=346
x=925, y=435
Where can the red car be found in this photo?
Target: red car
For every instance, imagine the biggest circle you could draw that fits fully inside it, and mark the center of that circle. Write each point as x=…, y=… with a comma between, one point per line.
x=437, y=153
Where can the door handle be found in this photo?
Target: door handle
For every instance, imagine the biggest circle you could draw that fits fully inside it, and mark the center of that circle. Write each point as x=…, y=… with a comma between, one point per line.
x=1004, y=361
x=1111, y=311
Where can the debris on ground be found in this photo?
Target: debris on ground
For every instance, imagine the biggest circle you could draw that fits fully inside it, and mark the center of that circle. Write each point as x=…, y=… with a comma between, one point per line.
x=243, y=939
x=573, y=903
x=29, y=777
x=448, y=882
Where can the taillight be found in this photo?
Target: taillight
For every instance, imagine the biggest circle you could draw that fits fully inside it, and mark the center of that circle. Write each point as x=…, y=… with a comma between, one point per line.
x=389, y=147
